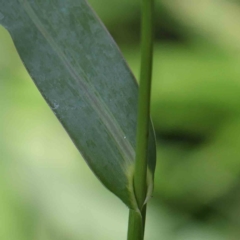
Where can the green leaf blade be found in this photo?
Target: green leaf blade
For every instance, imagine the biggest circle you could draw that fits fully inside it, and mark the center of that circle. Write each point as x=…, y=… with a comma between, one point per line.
x=82, y=75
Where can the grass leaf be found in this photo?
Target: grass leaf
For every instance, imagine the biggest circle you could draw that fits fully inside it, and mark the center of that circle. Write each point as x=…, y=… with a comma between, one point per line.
x=82, y=75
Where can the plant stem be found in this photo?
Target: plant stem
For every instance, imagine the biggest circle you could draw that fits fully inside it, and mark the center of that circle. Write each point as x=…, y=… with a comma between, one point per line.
x=143, y=119
x=137, y=220
x=135, y=226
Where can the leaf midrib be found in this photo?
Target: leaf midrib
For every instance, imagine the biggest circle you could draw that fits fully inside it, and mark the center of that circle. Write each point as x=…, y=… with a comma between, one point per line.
x=123, y=144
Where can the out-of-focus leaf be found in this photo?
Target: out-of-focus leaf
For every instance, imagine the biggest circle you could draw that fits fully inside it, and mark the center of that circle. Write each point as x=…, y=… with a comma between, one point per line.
x=82, y=75
x=217, y=20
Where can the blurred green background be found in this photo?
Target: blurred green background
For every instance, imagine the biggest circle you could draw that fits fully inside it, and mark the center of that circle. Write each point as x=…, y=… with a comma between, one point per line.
x=47, y=191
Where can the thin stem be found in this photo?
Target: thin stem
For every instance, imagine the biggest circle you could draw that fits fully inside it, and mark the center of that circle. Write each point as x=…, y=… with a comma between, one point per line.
x=137, y=219
x=144, y=102
x=135, y=226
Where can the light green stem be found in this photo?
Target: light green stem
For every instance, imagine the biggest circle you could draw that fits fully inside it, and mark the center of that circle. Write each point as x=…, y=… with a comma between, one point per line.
x=137, y=220
x=135, y=226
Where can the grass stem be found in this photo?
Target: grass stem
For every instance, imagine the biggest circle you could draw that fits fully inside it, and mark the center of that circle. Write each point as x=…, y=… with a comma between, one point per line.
x=137, y=220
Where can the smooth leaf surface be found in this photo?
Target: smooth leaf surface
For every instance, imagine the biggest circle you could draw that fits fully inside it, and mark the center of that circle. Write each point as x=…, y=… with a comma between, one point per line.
x=83, y=77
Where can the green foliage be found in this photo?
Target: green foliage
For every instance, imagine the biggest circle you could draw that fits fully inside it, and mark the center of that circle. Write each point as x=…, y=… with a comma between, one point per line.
x=196, y=116
x=82, y=75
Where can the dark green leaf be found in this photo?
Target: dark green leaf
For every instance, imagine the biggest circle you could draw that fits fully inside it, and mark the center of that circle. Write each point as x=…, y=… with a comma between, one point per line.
x=82, y=75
